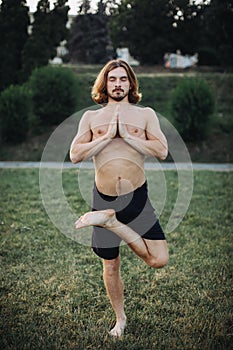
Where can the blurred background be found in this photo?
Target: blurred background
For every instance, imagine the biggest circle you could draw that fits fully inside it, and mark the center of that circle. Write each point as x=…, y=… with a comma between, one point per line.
x=52, y=294
x=51, y=52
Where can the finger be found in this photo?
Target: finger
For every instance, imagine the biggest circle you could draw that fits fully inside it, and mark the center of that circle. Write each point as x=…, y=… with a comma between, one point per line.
x=117, y=110
x=114, y=120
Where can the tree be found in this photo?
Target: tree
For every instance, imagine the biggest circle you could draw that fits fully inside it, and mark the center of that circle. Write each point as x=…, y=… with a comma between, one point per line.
x=49, y=29
x=89, y=40
x=144, y=27
x=14, y=21
x=151, y=28
x=107, y=6
x=187, y=25
x=85, y=6
x=217, y=44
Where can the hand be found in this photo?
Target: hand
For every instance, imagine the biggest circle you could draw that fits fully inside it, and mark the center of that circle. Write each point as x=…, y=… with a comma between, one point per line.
x=112, y=129
x=123, y=132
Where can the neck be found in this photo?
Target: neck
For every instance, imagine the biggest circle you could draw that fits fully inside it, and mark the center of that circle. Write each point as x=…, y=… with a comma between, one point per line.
x=117, y=103
x=113, y=104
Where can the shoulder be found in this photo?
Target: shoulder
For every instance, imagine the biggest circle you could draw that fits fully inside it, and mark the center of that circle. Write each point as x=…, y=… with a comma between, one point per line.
x=90, y=114
x=85, y=120
x=147, y=112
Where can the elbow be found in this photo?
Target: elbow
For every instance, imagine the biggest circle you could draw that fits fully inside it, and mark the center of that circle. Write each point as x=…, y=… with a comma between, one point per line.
x=163, y=154
x=162, y=157
x=74, y=158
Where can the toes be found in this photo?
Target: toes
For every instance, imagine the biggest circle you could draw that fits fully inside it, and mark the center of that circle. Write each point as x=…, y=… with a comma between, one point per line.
x=116, y=332
x=79, y=221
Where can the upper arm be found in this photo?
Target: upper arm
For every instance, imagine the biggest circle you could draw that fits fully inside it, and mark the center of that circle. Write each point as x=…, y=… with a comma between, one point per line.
x=153, y=130
x=84, y=133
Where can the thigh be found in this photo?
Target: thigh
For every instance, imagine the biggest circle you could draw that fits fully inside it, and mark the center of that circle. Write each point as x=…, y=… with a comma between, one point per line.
x=103, y=238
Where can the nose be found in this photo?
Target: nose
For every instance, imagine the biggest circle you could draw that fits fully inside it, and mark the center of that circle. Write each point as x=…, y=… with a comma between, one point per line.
x=118, y=82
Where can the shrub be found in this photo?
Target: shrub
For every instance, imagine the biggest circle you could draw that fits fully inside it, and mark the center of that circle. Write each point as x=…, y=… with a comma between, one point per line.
x=53, y=94
x=191, y=104
x=15, y=114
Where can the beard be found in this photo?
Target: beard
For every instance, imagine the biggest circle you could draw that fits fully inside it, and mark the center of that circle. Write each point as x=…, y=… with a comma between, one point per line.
x=118, y=96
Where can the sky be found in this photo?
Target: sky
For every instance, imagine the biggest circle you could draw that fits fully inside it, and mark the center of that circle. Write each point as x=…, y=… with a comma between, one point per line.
x=73, y=4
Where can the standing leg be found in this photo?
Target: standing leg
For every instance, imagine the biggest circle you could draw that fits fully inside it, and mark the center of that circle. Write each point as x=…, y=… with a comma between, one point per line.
x=114, y=287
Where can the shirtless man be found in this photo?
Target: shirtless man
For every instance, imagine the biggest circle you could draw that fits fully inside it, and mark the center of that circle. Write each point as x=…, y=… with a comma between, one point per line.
x=118, y=137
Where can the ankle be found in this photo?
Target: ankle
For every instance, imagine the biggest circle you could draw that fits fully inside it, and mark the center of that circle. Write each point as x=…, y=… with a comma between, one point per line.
x=121, y=319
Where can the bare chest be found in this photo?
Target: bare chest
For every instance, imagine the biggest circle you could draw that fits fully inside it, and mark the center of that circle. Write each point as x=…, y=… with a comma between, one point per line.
x=134, y=126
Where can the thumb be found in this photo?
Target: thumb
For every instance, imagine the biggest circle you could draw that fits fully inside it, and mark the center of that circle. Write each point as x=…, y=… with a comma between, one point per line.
x=117, y=109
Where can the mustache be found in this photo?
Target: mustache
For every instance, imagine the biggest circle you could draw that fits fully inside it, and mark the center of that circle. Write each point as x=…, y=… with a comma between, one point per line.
x=118, y=89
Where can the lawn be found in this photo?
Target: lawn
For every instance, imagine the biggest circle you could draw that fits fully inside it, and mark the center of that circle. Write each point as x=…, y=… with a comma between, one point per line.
x=52, y=293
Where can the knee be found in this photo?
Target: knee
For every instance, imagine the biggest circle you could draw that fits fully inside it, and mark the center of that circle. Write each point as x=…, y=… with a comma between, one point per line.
x=158, y=262
x=111, y=267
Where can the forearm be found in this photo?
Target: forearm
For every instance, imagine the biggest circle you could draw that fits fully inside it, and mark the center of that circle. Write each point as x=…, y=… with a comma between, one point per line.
x=154, y=148
x=83, y=151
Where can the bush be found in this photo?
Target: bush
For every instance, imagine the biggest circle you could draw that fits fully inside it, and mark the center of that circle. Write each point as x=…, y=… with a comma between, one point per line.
x=192, y=104
x=15, y=114
x=156, y=91
x=53, y=94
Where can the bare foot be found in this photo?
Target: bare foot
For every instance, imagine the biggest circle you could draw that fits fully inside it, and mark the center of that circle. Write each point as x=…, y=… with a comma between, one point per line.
x=118, y=330
x=97, y=218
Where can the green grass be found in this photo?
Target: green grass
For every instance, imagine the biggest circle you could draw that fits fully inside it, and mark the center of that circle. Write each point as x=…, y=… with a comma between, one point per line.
x=53, y=295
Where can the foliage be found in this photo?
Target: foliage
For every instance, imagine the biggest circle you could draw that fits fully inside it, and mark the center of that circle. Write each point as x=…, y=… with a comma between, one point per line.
x=89, y=40
x=84, y=84
x=53, y=94
x=49, y=29
x=151, y=28
x=85, y=6
x=192, y=103
x=156, y=92
x=53, y=296
x=14, y=23
x=216, y=46
x=103, y=6
x=187, y=27
x=107, y=6
x=15, y=114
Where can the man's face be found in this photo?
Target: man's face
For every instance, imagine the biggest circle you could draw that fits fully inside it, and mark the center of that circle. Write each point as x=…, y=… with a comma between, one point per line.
x=118, y=84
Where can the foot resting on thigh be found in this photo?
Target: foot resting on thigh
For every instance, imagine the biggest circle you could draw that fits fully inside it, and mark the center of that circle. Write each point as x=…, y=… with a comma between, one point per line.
x=97, y=218
x=118, y=330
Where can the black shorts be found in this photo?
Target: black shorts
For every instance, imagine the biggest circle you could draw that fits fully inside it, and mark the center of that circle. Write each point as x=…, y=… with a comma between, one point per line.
x=133, y=209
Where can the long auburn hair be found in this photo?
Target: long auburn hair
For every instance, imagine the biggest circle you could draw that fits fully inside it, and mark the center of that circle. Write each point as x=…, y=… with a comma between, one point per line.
x=99, y=90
